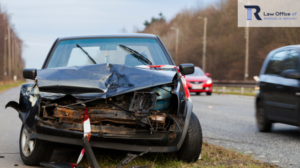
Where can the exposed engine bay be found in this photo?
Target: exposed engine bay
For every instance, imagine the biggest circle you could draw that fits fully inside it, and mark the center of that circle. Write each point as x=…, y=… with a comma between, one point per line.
x=119, y=115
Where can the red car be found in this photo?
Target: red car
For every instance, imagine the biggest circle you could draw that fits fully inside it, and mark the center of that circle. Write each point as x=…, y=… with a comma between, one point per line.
x=199, y=82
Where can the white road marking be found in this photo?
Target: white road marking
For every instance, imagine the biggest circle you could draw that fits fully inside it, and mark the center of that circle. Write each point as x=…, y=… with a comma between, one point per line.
x=275, y=161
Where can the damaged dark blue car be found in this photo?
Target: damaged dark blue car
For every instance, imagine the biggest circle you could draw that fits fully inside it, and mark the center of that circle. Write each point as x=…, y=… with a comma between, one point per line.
x=136, y=98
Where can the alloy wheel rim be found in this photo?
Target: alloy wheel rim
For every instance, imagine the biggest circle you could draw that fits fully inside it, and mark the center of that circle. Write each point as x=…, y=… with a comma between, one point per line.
x=27, y=145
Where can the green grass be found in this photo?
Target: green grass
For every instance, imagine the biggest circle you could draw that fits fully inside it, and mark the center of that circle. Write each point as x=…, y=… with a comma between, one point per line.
x=212, y=157
x=236, y=93
x=233, y=90
x=11, y=85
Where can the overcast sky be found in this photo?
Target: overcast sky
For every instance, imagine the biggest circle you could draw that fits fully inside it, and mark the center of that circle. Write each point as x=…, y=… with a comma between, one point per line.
x=39, y=22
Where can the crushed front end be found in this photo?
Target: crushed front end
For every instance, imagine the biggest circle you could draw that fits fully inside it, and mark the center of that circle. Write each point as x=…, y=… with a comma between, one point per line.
x=130, y=108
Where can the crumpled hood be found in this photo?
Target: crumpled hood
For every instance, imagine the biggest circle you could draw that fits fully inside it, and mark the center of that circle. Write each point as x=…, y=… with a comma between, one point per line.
x=98, y=81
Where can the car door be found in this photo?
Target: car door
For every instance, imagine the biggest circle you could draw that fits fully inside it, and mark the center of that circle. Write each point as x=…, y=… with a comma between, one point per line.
x=269, y=84
x=288, y=90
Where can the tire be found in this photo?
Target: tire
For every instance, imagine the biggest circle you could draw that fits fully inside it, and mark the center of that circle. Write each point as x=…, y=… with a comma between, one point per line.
x=41, y=150
x=197, y=93
x=263, y=124
x=191, y=147
x=208, y=93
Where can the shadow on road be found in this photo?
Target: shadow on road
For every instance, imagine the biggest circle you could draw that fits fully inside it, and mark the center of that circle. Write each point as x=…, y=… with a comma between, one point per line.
x=289, y=133
x=70, y=153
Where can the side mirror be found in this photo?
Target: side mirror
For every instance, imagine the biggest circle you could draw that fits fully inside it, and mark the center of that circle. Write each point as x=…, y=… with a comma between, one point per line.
x=29, y=73
x=290, y=73
x=186, y=69
x=207, y=74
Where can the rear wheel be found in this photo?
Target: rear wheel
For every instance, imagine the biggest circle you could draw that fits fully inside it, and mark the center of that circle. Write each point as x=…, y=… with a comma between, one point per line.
x=33, y=152
x=191, y=147
x=263, y=123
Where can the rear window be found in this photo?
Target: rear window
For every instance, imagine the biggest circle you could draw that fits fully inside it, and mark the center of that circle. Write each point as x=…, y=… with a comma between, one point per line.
x=274, y=65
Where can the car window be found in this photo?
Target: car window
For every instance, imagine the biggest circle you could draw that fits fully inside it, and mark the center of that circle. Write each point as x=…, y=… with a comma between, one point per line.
x=106, y=50
x=274, y=65
x=291, y=61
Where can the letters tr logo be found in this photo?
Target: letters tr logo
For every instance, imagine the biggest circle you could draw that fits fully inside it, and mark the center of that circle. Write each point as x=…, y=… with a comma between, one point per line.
x=249, y=11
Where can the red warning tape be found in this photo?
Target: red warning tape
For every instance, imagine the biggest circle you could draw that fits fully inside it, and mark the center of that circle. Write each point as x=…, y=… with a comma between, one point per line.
x=86, y=132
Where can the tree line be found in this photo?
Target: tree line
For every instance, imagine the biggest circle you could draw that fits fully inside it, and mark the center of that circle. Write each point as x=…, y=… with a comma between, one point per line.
x=225, y=52
x=11, y=61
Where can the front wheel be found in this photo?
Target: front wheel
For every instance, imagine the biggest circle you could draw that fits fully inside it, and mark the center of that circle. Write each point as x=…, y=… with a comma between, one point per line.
x=208, y=93
x=33, y=152
x=263, y=123
x=191, y=147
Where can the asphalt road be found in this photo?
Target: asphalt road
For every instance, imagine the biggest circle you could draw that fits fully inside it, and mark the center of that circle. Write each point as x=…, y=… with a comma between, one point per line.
x=226, y=120
x=10, y=126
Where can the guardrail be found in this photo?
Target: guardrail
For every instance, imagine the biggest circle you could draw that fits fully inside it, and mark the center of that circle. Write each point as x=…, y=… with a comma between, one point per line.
x=234, y=83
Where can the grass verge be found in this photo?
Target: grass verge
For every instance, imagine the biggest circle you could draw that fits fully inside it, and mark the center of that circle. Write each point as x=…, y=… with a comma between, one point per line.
x=11, y=85
x=236, y=93
x=212, y=157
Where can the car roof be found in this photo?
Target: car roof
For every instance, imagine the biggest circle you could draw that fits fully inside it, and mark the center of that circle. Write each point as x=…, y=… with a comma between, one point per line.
x=270, y=54
x=289, y=46
x=133, y=35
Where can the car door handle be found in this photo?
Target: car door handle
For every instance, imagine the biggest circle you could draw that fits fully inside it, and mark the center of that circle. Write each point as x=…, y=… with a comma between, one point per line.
x=279, y=87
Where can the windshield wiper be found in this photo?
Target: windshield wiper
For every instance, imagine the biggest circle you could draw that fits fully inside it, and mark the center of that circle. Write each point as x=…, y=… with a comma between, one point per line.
x=137, y=55
x=86, y=54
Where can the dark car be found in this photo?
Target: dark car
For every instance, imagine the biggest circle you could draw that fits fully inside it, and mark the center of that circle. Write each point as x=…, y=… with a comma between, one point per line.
x=199, y=82
x=135, y=97
x=279, y=82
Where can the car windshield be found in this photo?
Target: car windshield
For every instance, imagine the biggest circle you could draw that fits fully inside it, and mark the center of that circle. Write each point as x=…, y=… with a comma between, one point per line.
x=198, y=72
x=80, y=52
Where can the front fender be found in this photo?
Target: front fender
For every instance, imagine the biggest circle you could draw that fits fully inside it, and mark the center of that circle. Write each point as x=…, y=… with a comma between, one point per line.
x=28, y=106
x=188, y=111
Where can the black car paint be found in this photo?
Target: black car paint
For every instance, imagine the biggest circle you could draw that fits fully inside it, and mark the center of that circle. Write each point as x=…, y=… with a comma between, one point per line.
x=278, y=94
x=29, y=109
x=99, y=81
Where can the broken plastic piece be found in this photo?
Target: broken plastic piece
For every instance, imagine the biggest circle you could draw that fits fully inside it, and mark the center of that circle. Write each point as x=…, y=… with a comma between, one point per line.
x=130, y=157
